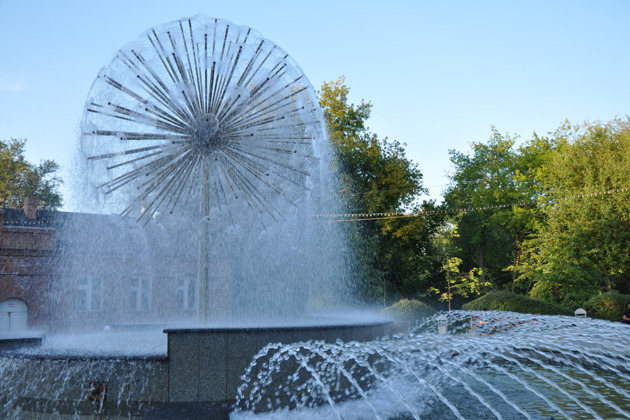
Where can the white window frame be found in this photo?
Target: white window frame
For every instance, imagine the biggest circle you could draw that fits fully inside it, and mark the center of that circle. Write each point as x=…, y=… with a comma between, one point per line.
x=89, y=294
x=140, y=294
x=186, y=293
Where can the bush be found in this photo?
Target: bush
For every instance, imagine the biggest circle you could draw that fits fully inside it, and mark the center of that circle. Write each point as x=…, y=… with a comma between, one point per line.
x=506, y=301
x=408, y=310
x=608, y=306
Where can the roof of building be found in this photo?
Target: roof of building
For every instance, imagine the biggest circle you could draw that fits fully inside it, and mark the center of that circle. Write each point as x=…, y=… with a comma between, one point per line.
x=17, y=218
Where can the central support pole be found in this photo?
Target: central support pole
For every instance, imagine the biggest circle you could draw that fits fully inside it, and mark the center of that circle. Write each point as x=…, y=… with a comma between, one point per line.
x=204, y=271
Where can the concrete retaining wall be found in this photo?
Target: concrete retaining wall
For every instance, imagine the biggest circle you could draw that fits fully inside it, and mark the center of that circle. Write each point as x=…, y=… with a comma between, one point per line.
x=205, y=365
x=35, y=387
x=201, y=373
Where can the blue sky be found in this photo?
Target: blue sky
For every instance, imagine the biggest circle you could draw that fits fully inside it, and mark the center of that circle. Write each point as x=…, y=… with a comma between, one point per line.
x=438, y=73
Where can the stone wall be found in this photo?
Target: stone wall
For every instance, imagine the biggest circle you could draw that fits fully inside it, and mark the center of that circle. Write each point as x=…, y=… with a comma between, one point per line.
x=205, y=365
x=49, y=387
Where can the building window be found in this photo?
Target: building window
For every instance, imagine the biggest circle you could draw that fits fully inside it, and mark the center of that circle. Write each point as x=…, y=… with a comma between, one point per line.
x=89, y=294
x=186, y=293
x=140, y=294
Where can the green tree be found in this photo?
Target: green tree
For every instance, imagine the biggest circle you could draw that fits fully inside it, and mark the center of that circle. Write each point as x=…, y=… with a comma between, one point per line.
x=481, y=189
x=377, y=177
x=19, y=178
x=465, y=284
x=524, y=221
x=493, y=193
x=582, y=248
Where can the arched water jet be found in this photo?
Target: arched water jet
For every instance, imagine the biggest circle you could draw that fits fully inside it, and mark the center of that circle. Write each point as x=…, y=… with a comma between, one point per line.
x=523, y=365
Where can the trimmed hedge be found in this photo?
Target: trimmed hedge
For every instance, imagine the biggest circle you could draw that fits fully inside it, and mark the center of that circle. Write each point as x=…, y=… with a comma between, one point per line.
x=408, y=310
x=608, y=306
x=507, y=301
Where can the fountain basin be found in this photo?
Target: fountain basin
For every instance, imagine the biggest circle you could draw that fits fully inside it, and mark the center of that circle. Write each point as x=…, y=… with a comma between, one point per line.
x=20, y=341
x=519, y=366
x=206, y=364
x=58, y=386
x=199, y=373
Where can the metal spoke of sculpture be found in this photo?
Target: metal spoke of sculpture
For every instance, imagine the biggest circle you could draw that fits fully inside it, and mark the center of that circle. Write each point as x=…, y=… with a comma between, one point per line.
x=201, y=106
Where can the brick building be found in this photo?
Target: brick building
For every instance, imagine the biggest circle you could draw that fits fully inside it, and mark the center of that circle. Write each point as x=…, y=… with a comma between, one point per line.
x=27, y=247
x=77, y=271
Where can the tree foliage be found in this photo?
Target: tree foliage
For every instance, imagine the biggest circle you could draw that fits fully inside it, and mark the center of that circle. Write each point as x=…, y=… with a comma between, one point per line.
x=377, y=177
x=495, y=180
x=19, y=178
x=548, y=217
x=551, y=217
x=582, y=248
x=376, y=174
x=465, y=284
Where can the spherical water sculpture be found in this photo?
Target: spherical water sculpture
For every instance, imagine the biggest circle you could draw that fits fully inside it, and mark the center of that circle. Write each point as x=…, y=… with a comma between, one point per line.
x=212, y=123
x=201, y=108
x=207, y=119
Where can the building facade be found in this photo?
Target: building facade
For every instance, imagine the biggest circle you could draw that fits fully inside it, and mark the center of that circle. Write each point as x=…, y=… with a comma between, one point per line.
x=62, y=271
x=27, y=249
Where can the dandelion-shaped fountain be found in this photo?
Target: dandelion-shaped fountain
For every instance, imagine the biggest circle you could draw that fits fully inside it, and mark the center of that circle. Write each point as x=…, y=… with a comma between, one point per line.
x=210, y=123
x=205, y=113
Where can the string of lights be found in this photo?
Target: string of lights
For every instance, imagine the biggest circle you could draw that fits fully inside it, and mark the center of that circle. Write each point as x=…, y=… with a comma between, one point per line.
x=359, y=217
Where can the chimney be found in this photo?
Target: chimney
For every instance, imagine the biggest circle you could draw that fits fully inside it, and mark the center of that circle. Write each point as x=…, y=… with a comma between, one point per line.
x=30, y=207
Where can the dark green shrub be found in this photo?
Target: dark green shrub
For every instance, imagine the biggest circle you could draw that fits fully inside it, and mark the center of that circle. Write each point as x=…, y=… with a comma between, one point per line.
x=608, y=306
x=506, y=301
x=408, y=310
